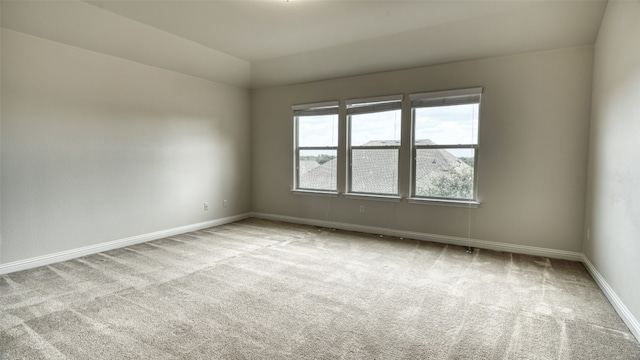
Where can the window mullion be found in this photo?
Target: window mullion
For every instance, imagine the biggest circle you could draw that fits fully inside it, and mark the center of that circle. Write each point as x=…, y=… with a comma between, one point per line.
x=375, y=147
x=470, y=146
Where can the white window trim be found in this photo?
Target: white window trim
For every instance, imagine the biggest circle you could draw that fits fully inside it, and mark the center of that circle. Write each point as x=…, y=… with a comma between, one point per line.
x=386, y=103
x=379, y=197
x=444, y=202
x=315, y=192
x=437, y=99
x=321, y=108
x=371, y=105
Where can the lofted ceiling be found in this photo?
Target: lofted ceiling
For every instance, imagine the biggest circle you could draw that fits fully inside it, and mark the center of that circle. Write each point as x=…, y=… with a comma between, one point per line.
x=261, y=43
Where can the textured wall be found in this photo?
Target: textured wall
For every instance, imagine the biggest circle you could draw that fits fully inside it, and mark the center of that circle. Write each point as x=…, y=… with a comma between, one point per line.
x=96, y=148
x=533, y=149
x=613, y=207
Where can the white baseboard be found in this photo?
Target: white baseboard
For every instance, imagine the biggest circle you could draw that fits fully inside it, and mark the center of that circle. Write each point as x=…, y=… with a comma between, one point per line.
x=93, y=249
x=616, y=302
x=626, y=315
x=451, y=240
x=619, y=306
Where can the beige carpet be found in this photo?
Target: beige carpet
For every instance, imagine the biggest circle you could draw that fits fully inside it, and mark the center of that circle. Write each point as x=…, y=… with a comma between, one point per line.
x=265, y=290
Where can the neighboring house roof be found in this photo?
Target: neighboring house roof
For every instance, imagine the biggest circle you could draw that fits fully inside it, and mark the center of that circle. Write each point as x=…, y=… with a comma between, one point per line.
x=434, y=163
x=376, y=171
x=307, y=165
x=321, y=177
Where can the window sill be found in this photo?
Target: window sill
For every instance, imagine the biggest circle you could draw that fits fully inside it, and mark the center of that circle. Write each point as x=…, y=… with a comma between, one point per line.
x=442, y=202
x=390, y=198
x=315, y=193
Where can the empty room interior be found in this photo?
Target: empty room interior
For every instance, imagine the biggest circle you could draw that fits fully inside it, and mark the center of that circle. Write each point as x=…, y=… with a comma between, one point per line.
x=320, y=179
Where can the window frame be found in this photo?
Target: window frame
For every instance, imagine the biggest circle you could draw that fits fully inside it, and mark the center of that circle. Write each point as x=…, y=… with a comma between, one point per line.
x=439, y=99
x=369, y=106
x=314, y=109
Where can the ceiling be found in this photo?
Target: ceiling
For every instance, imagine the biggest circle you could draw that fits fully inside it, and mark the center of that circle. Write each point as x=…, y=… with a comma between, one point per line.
x=261, y=43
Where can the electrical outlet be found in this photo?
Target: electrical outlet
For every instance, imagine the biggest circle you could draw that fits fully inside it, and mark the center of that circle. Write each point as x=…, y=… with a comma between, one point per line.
x=224, y=203
x=361, y=208
x=206, y=206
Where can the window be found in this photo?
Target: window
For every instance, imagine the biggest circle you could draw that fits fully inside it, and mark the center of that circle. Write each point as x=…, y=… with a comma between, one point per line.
x=374, y=145
x=316, y=146
x=438, y=158
x=445, y=144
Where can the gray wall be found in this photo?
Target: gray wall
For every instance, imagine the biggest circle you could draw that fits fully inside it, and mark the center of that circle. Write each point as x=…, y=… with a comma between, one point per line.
x=96, y=148
x=533, y=149
x=613, y=207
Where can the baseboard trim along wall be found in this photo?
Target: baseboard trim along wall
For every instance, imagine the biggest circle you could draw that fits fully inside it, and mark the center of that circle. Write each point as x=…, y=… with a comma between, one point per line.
x=623, y=311
x=618, y=305
x=626, y=315
x=451, y=240
x=110, y=245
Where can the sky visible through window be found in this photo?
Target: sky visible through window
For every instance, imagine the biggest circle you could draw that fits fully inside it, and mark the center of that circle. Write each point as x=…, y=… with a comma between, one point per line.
x=320, y=130
x=448, y=125
x=375, y=126
x=444, y=125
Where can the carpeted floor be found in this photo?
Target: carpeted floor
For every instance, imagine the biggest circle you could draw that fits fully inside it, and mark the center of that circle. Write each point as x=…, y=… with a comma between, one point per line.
x=257, y=289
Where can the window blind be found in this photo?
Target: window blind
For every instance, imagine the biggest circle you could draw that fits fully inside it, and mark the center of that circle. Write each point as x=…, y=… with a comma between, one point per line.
x=327, y=108
x=371, y=105
x=444, y=98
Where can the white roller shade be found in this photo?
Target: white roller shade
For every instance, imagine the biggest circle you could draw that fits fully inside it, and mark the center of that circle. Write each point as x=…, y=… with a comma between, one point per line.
x=444, y=98
x=377, y=104
x=327, y=108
